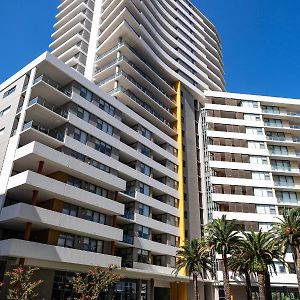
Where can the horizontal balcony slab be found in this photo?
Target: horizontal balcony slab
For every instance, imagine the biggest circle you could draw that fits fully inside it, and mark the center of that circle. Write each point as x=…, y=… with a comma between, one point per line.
x=30, y=250
x=247, y=217
x=154, y=247
x=22, y=185
x=153, y=269
x=228, y=198
x=15, y=216
x=28, y=157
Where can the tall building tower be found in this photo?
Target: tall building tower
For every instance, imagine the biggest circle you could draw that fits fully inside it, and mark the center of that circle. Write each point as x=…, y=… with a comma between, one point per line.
x=144, y=53
x=100, y=160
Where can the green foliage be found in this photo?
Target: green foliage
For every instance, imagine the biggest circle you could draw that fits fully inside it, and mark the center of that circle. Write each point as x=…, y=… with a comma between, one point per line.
x=21, y=284
x=288, y=230
x=90, y=285
x=262, y=249
x=222, y=235
x=193, y=256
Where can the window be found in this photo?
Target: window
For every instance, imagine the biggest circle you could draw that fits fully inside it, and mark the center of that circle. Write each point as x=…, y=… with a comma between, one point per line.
x=2, y=130
x=143, y=256
x=143, y=232
x=4, y=111
x=103, y=147
x=144, y=169
x=97, y=190
x=70, y=210
x=144, y=188
x=256, y=145
x=265, y=226
x=283, y=165
x=80, y=136
x=78, y=155
x=146, y=133
x=281, y=150
x=83, y=114
x=144, y=210
x=106, y=107
x=258, y=160
x=260, y=176
x=10, y=91
x=145, y=150
x=251, y=117
x=95, y=216
x=65, y=240
x=281, y=180
x=85, y=93
x=250, y=104
x=102, y=125
x=74, y=182
x=271, y=109
x=275, y=136
x=287, y=197
x=266, y=209
x=92, y=245
x=273, y=122
x=263, y=192
x=254, y=130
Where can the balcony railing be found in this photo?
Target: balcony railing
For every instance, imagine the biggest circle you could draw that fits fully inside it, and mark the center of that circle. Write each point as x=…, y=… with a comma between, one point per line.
x=276, y=138
x=51, y=132
x=286, y=184
x=128, y=214
x=53, y=83
x=128, y=239
x=43, y=102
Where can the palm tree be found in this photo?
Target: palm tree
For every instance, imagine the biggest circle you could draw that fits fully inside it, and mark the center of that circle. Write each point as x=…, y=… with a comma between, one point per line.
x=194, y=256
x=239, y=263
x=288, y=232
x=262, y=250
x=222, y=237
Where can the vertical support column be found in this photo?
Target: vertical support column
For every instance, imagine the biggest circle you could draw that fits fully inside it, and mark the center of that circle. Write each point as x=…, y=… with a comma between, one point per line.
x=13, y=144
x=28, y=227
x=114, y=224
x=181, y=291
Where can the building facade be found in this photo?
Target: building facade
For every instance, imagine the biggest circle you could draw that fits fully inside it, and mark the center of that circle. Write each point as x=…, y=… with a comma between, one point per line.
x=121, y=144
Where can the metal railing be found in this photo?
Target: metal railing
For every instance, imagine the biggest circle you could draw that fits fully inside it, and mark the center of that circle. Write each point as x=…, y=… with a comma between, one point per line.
x=38, y=100
x=51, y=132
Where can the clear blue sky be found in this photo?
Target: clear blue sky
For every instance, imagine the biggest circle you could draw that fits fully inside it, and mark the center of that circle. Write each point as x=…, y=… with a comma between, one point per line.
x=260, y=38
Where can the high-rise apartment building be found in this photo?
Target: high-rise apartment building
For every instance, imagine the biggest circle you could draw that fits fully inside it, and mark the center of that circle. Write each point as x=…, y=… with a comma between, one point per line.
x=122, y=143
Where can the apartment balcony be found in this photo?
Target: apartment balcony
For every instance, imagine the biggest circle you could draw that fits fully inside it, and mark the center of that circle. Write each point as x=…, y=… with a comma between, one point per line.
x=78, y=19
x=154, y=247
x=44, y=86
x=153, y=269
x=33, y=131
x=144, y=109
x=20, y=186
x=72, y=14
x=129, y=83
x=138, y=60
x=53, y=256
x=131, y=68
x=69, y=8
x=17, y=215
x=43, y=112
x=29, y=156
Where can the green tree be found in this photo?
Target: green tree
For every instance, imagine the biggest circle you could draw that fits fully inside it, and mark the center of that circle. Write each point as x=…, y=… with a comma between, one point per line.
x=288, y=232
x=21, y=284
x=262, y=250
x=194, y=257
x=222, y=237
x=239, y=264
x=89, y=285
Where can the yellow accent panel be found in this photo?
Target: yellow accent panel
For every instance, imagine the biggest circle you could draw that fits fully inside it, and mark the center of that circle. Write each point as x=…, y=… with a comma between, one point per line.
x=177, y=87
x=178, y=291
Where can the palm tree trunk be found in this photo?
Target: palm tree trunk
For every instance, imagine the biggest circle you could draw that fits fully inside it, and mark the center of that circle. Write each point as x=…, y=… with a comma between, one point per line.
x=261, y=285
x=195, y=282
x=268, y=286
x=225, y=276
x=296, y=254
x=248, y=286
